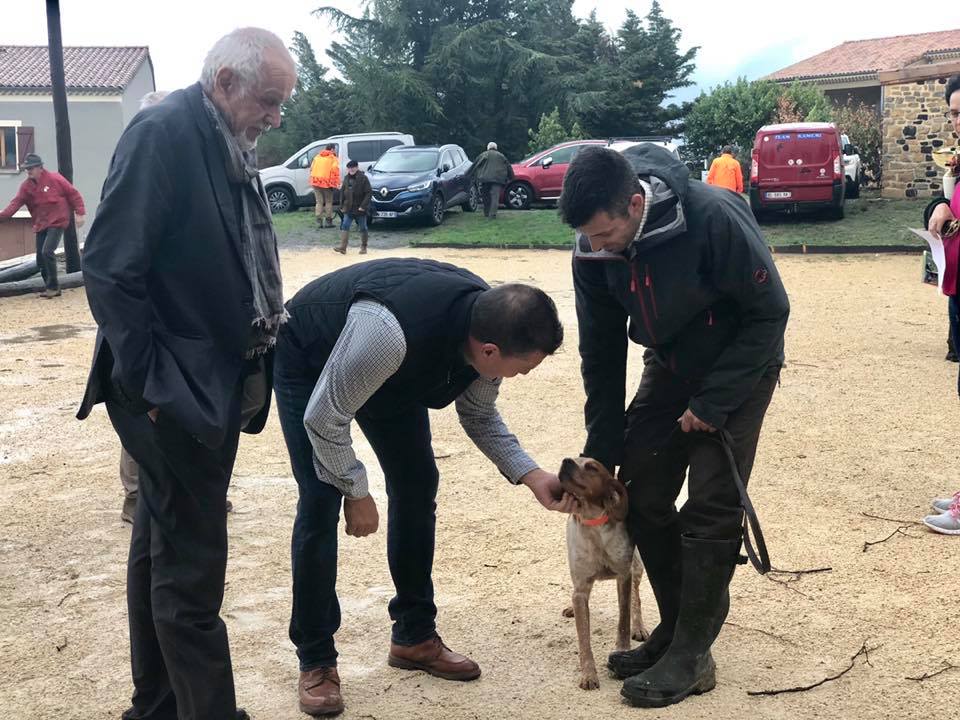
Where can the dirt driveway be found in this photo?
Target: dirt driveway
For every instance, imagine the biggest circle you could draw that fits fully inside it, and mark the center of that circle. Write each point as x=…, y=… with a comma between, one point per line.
x=865, y=422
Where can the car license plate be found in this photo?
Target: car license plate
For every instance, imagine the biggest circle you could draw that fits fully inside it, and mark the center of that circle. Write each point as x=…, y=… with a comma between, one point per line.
x=385, y=214
x=777, y=195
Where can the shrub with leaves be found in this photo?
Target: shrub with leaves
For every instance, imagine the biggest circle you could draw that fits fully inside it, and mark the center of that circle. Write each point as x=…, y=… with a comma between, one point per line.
x=551, y=131
x=861, y=123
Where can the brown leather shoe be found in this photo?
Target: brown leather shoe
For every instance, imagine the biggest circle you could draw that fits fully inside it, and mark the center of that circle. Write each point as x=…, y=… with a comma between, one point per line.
x=433, y=657
x=319, y=691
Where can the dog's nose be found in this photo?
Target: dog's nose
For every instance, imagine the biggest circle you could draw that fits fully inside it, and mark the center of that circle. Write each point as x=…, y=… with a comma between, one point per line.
x=567, y=466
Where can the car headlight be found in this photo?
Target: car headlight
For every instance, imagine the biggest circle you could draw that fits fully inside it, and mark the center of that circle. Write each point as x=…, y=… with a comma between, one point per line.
x=419, y=186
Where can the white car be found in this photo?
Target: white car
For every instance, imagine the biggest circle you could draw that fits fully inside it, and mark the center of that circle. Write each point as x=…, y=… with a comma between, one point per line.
x=852, y=168
x=288, y=185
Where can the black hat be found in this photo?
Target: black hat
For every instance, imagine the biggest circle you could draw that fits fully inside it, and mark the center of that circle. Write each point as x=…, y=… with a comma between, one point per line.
x=352, y=163
x=32, y=160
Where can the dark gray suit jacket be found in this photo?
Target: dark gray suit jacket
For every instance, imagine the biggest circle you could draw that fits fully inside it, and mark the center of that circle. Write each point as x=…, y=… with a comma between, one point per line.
x=164, y=276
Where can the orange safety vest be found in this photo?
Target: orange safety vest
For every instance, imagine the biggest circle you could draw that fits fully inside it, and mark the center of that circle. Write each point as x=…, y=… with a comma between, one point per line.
x=325, y=170
x=725, y=171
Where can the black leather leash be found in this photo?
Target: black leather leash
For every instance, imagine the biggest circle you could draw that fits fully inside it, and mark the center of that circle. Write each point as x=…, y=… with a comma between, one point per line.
x=759, y=557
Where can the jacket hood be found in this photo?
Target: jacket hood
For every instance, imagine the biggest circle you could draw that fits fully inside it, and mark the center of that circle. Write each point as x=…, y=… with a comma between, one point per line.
x=326, y=153
x=666, y=181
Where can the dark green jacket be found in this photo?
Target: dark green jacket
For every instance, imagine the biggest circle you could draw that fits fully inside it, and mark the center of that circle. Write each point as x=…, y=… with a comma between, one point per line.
x=355, y=200
x=698, y=288
x=492, y=166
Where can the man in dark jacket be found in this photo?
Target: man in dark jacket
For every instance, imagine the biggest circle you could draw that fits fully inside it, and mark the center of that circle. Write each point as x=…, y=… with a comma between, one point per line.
x=183, y=279
x=381, y=342
x=492, y=170
x=682, y=269
x=355, y=193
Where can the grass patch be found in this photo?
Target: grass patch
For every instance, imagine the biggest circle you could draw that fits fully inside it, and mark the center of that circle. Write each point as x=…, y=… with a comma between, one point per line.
x=868, y=221
x=512, y=228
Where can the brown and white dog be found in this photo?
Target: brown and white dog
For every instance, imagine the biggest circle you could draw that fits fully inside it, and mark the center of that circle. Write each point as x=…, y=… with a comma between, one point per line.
x=599, y=548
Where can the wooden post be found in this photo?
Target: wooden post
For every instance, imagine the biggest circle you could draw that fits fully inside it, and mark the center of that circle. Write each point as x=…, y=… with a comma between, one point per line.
x=62, y=118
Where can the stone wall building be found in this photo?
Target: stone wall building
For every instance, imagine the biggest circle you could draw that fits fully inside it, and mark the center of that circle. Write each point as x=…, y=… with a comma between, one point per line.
x=904, y=79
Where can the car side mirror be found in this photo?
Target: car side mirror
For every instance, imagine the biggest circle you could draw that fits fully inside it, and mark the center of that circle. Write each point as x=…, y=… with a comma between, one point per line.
x=547, y=162
x=446, y=168
x=849, y=149
x=304, y=162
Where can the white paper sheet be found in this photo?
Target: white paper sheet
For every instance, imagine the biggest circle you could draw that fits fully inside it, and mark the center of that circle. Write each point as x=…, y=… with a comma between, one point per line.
x=936, y=250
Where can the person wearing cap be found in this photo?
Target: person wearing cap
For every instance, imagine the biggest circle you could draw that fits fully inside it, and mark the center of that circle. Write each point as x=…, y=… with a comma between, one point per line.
x=355, y=195
x=50, y=198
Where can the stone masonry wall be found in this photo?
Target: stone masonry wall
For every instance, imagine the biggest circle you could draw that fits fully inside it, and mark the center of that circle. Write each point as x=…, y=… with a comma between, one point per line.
x=913, y=127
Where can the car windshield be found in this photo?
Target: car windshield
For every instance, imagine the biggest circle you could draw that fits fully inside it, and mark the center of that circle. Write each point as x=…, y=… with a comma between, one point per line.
x=407, y=161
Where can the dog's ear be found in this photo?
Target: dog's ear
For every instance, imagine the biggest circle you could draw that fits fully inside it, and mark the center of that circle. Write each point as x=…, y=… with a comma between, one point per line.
x=617, y=502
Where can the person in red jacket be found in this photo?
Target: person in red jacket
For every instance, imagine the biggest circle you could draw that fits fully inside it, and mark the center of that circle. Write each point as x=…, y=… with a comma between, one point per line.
x=50, y=198
x=725, y=171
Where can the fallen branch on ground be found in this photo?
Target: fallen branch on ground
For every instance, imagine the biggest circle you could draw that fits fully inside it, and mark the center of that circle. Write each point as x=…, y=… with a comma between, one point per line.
x=899, y=531
x=864, y=650
x=762, y=632
x=947, y=666
x=801, y=572
x=896, y=520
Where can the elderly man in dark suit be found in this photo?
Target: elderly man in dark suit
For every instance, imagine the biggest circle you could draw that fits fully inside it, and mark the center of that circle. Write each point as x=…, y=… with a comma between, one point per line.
x=183, y=279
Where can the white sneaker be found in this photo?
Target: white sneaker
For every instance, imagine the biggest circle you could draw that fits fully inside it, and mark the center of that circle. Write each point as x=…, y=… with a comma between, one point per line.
x=947, y=523
x=941, y=505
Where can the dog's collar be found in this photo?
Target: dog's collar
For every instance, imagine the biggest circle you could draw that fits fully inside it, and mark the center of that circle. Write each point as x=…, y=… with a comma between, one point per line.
x=594, y=522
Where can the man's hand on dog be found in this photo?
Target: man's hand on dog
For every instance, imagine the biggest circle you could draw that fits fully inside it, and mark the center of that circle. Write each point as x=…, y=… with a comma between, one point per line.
x=546, y=489
x=691, y=423
x=361, y=516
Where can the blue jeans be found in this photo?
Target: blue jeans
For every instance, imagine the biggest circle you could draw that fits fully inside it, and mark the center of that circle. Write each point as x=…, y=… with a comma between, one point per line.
x=403, y=448
x=349, y=218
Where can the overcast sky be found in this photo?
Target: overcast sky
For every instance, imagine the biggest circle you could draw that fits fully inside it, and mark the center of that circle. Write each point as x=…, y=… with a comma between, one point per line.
x=758, y=38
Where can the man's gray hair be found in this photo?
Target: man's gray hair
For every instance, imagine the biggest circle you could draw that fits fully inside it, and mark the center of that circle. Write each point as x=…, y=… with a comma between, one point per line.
x=491, y=146
x=241, y=51
x=152, y=98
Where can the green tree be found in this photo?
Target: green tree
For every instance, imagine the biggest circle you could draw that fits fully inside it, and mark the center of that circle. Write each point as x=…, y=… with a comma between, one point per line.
x=803, y=102
x=729, y=114
x=861, y=124
x=551, y=131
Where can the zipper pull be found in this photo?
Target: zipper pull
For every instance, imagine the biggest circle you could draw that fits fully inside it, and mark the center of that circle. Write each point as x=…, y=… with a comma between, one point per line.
x=633, y=279
x=709, y=317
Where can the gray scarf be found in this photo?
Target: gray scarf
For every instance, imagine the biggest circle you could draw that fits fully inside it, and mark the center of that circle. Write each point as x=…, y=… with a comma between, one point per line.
x=258, y=242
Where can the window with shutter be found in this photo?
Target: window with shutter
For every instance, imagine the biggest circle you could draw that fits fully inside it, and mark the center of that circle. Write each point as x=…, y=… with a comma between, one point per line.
x=9, y=147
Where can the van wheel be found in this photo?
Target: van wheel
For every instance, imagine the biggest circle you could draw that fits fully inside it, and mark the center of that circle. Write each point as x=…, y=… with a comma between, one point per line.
x=853, y=188
x=836, y=213
x=280, y=199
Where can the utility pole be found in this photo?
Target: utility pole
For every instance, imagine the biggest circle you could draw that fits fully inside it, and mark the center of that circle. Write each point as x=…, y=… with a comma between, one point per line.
x=62, y=118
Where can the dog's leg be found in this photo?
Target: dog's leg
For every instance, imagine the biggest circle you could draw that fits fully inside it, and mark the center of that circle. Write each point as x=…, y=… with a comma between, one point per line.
x=640, y=631
x=581, y=615
x=624, y=583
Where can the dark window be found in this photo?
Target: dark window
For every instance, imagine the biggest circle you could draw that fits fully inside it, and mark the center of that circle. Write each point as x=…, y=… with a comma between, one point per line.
x=8, y=148
x=387, y=144
x=363, y=150
x=562, y=155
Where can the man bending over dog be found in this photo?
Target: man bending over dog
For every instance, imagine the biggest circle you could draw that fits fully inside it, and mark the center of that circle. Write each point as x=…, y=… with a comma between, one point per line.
x=686, y=266
x=382, y=342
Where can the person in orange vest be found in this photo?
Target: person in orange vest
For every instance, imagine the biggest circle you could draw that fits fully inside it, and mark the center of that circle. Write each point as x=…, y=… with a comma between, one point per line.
x=325, y=178
x=725, y=171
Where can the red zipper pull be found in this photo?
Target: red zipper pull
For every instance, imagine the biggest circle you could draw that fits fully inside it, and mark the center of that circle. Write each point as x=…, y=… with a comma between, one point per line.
x=646, y=276
x=633, y=278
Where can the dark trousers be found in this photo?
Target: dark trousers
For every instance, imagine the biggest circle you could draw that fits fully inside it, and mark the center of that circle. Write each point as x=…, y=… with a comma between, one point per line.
x=490, y=194
x=179, y=653
x=47, y=242
x=953, y=312
x=658, y=455
x=401, y=442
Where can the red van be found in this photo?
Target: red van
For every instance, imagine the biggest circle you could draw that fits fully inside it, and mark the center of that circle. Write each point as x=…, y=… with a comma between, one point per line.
x=797, y=166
